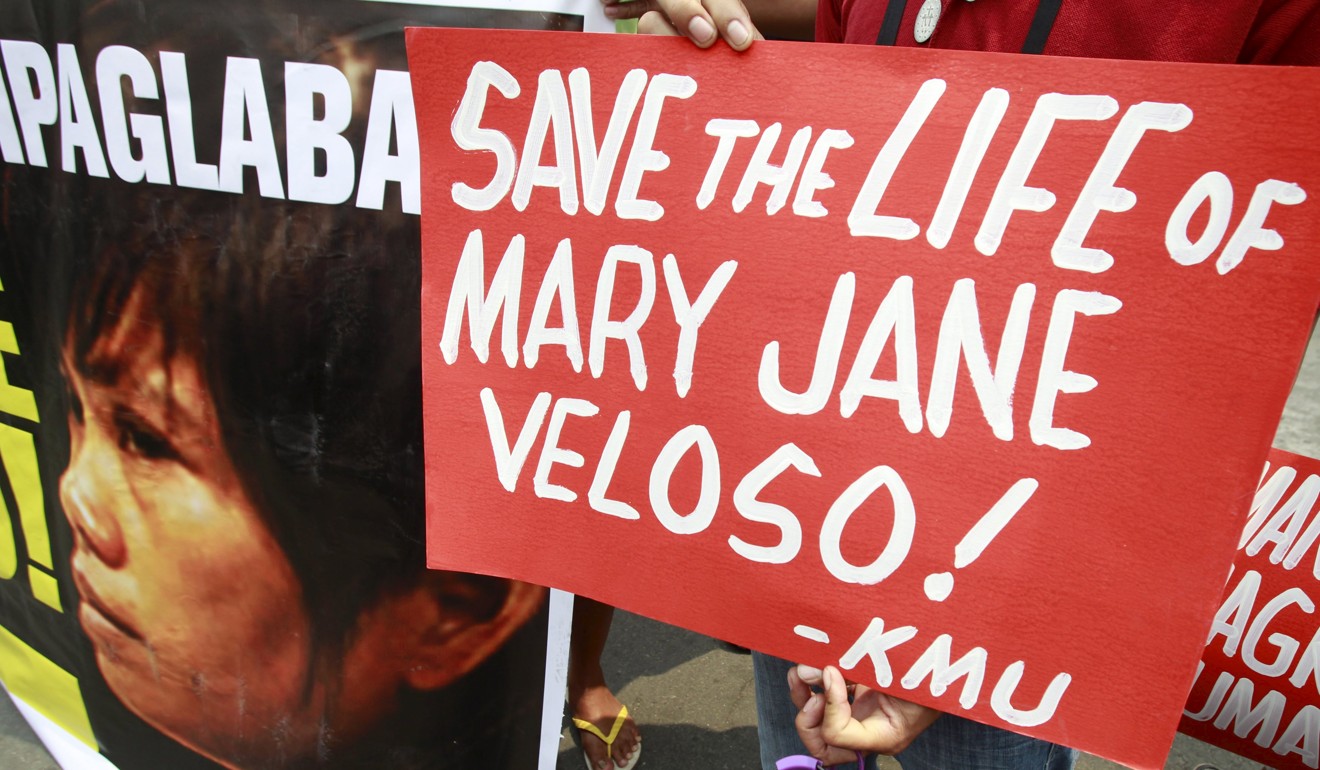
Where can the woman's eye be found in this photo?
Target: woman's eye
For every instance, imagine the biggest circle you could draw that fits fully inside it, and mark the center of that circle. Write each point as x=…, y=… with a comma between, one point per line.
x=144, y=441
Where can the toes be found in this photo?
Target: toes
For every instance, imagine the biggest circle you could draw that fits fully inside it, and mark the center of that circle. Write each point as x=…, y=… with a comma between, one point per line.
x=602, y=762
x=626, y=747
x=596, y=753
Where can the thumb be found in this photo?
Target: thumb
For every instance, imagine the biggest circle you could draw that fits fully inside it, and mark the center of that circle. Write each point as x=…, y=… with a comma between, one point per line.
x=838, y=711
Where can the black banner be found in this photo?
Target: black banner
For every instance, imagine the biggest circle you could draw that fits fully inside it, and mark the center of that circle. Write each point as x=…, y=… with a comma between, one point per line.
x=211, y=542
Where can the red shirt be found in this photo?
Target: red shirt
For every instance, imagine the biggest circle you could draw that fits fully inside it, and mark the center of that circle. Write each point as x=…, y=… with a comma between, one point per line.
x=1224, y=31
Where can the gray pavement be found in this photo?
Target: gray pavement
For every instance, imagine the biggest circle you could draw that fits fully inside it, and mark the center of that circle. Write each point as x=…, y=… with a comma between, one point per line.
x=19, y=747
x=693, y=699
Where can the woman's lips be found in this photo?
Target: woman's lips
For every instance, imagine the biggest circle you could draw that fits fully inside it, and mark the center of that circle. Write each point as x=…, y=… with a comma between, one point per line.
x=95, y=611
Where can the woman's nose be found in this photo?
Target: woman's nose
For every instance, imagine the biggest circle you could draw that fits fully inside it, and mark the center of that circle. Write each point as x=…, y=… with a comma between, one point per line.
x=87, y=494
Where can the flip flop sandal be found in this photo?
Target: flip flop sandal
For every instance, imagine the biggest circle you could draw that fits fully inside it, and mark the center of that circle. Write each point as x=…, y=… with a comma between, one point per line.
x=608, y=740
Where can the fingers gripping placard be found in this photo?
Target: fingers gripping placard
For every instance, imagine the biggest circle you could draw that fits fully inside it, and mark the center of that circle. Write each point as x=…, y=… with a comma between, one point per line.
x=891, y=365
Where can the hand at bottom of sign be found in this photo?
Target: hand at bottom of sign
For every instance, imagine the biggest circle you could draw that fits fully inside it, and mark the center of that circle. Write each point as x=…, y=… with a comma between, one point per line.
x=834, y=729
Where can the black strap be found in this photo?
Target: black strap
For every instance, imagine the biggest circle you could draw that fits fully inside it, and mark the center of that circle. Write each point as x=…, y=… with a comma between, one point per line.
x=889, y=27
x=1046, y=13
x=1041, y=25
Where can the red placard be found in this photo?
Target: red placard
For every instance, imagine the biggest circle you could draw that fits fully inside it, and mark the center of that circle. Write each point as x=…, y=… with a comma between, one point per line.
x=955, y=369
x=1257, y=689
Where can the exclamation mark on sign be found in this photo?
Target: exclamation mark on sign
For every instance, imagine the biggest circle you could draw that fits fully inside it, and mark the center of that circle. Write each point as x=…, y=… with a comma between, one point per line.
x=940, y=585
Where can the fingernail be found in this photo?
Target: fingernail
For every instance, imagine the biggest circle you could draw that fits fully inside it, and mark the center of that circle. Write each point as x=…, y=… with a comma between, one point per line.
x=808, y=672
x=737, y=33
x=701, y=30
x=612, y=11
x=827, y=678
x=812, y=702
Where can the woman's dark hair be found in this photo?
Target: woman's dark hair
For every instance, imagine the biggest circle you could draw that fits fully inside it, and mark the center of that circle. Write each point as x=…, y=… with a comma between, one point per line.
x=302, y=318
x=303, y=321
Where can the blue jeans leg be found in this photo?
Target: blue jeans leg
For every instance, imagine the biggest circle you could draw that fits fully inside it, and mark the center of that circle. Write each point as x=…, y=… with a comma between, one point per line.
x=774, y=711
x=951, y=743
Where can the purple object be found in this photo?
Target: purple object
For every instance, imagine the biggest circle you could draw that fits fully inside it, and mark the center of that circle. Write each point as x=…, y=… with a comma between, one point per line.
x=804, y=762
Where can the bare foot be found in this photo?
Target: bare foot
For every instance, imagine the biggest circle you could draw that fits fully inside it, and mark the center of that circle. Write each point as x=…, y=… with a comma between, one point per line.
x=598, y=706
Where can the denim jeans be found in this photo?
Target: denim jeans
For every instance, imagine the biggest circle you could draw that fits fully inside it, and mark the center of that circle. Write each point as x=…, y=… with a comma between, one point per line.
x=951, y=743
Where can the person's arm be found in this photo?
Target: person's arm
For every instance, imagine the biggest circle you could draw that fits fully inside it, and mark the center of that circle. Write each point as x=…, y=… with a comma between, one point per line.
x=834, y=729
x=738, y=22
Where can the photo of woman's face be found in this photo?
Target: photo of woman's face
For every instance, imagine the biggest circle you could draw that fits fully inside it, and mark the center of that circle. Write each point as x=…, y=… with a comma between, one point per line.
x=192, y=608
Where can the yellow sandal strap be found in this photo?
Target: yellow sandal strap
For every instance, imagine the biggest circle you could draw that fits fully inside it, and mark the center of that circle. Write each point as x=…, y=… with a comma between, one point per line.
x=583, y=724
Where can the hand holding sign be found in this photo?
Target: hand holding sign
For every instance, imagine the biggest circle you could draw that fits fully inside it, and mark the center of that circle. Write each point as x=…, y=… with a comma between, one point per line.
x=702, y=22
x=778, y=19
x=835, y=727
